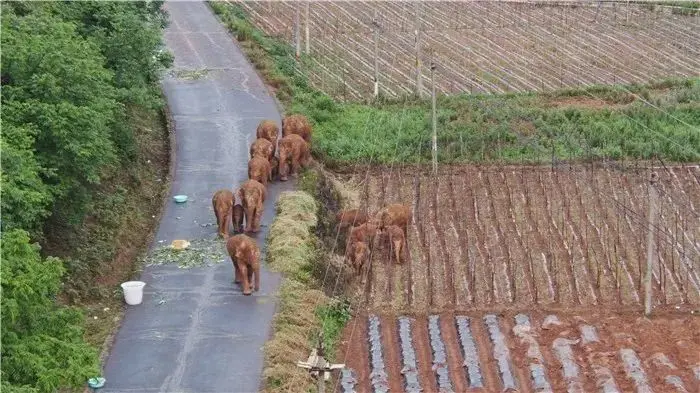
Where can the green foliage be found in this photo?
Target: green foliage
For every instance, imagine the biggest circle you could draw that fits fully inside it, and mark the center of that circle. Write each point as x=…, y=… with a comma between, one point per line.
x=42, y=343
x=512, y=128
x=333, y=316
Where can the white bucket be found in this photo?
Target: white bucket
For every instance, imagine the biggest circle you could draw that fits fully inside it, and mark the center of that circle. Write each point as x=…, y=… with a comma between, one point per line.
x=133, y=292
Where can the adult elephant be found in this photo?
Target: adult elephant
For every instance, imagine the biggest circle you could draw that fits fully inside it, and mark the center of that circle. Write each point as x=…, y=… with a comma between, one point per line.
x=293, y=149
x=222, y=202
x=253, y=196
x=261, y=147
x=259, y=169
x=297, y=124
x=245, y=255
x=267, y=129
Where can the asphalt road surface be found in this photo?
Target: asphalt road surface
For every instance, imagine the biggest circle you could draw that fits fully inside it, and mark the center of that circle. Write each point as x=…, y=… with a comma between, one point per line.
x=206, y=336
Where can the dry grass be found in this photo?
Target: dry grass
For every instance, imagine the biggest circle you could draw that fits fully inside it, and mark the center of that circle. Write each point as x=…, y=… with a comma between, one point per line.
x=291, y=250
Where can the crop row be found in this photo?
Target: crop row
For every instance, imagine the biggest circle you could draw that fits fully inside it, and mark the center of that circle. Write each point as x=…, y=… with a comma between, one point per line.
x=487, y=47
x=523, y=352
x=484, y=236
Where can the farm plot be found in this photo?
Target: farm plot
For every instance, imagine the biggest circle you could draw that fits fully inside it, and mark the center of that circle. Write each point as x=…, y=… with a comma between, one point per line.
x=486, y=46
x=503, y=237
x=524, y=352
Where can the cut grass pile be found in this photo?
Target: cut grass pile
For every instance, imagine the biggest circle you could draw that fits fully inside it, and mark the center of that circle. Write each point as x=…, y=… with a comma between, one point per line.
x=200, y=253
x=660, y=120
x=291, y=250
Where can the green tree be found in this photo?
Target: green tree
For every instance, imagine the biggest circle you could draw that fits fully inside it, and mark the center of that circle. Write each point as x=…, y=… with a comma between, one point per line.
x=42, y=343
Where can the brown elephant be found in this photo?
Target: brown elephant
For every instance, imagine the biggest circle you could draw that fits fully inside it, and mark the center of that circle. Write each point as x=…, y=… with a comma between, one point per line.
x=259, y=169
x=222, y=201
x=261, y=147
x=397, y=242
x=351, y=217
x=238, y=218
x=274, y=168
x=293, y=148
x=253, y=197
x=358, y=257
x=267, y=129
x=394, y=214
x=245, y=256
x=297, y=124
x=364, y=233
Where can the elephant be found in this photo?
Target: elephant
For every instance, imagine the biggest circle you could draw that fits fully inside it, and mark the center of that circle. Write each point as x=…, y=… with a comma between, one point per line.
x=351, y=217
x=274, y=168
x=397, y=242
x=293, y=148
x=259, y=169
x=267, y=129
x=253, y=197
x=358, y=256
x=297, y=124
x=394, y=214
x=364, y=233
x=245, y=255
x=238, y=218
x=261, y=147
x=222, y=201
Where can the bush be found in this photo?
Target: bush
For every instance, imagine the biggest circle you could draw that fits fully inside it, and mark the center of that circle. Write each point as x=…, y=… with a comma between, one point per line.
x=42, y=343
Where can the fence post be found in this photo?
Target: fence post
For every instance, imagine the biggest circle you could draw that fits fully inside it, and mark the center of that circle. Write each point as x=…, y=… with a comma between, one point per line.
x=375, y=22
x=419, y=80
x=297, y=33
x=650, y=244
x=306, y=28
x=432, y=82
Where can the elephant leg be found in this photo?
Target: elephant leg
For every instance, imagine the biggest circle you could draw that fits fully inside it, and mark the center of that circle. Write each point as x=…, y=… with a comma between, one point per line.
x=295, y=166
x=257, y=218
x=243, y=268
x=397, y=250
x=236, y=272
x=257, y=277
x=248, y=219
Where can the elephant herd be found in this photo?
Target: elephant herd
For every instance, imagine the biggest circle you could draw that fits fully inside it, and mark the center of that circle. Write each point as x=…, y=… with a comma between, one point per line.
x=247, y=201
x=390, y=222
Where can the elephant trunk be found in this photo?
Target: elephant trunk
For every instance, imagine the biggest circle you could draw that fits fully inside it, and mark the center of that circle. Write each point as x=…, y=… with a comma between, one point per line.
x=283, y=165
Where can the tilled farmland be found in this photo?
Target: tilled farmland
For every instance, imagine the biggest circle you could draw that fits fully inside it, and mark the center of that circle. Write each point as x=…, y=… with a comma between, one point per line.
x=486, y=46
x=485, y=237
x=524, y=352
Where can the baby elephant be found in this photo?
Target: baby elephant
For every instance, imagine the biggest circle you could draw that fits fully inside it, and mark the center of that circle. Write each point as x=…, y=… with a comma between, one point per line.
x=245, y=255
x=238, y=218
x=259, y=169
x=364, y=233
x=267, y=129
x=397, y=242
x=358, y=257
x=274, y=168
x=222, y=202
x=351, y=217
x=253, y=196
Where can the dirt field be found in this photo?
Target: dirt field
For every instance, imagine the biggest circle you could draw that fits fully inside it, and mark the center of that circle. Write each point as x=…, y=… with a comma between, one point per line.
x=485, y=238
x=527, y=352
x=486, y=47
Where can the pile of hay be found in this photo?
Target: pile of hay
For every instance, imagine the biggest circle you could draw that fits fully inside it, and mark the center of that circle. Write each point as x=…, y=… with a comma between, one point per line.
x=291, y=250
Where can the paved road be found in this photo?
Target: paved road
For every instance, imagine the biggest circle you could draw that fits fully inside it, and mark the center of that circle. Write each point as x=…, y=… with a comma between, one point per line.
x=207, y=336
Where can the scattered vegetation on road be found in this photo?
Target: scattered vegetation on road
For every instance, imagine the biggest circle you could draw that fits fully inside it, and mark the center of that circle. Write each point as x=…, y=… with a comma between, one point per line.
x=84, y=168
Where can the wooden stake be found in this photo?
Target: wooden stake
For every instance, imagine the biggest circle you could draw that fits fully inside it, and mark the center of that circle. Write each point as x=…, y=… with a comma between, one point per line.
x=306, y=28
x=432, y=82
x=376, y=55
x=650, y=244
x=419, y=80
x=297, y=33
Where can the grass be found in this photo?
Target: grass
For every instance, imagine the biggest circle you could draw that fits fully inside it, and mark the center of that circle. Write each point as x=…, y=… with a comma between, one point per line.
x=610, y=122
x=103, y=251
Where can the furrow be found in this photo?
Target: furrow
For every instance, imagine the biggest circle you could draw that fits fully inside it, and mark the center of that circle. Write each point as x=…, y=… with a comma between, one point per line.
x=440, y=365
x=392, y=352
x=388, y=282
x=538, y=372
x=570, y=370
x=501, y=353
x=507, y=261
x=401, y=273
x=425, y=246
x=469, y=352
x=445, y=249
x=462, y=240
x=633, y=369
x=378, y=377
x=418, y=285
x=603, y=376
x=408, y=355
x=443, y=263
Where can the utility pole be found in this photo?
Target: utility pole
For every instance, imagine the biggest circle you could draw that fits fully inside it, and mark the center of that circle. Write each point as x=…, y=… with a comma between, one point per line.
x=375, y=22
x=297, y=33
x=432, y=82
x=650, y=243
x=419, y=81
x=306, y=28
x=318, y=366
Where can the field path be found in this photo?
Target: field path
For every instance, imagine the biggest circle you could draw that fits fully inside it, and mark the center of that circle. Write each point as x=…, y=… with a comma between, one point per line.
x=195, y=331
